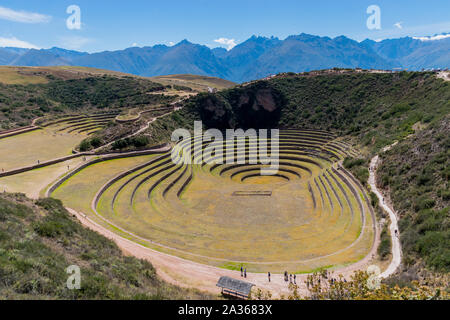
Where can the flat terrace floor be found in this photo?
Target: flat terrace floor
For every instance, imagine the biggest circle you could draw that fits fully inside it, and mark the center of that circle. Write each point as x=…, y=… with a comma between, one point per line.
x=45, y=144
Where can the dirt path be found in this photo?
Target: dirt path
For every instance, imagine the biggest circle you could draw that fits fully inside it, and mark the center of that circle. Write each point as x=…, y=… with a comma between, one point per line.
x=142, y=129
x=32, y=182
x=444, y=75
x=395, y=236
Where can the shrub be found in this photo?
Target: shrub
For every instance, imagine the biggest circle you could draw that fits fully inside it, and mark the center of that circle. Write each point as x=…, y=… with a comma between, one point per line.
x=384, y=248
x=352, y=162
x=85, y=145
x=57, y=222
x=137, y=142
x=433, y=247
x=96, y=142
x=424, y=202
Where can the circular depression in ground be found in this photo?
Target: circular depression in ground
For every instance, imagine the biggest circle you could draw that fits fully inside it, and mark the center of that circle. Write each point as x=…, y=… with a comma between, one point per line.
x=311, y=215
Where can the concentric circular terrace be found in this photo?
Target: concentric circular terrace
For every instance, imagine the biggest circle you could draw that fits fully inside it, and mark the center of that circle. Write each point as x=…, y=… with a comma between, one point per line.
x=312, y=213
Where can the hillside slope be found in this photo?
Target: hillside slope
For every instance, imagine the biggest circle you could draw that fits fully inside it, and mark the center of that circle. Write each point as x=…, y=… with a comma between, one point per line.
x=39, y=240
x=377, y=108
x=196, y=82
x=28, y=93
x=416, y=174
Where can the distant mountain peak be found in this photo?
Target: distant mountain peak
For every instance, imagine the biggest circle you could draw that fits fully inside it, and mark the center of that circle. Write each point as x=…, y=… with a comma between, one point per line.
x=183, y=42
x=252, y=59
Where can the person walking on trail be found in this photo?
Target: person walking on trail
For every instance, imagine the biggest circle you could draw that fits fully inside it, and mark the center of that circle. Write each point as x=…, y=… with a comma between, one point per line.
x=242, y=272
x=295, y=279
x=290, y=278
x=286, y=276
x=245, y=273
x=268, y=275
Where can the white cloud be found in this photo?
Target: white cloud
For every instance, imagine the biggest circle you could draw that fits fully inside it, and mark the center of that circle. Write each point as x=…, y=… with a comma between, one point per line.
x=229, y=43
x=171, y=43
x=437, y=37
x=75, y=42
x=134, y=44
x=23, y=16
x=16, y=43
x=398, y=25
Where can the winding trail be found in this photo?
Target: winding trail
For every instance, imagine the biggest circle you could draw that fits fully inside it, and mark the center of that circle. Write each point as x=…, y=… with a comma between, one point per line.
x=142, y=129
x=395, y=235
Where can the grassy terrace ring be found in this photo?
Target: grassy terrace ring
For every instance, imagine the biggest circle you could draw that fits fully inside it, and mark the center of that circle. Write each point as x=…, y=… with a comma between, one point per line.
x=49, y=141
x=312, y=214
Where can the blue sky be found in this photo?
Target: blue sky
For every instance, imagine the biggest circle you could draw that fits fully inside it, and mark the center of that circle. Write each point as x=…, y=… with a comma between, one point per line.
x=113, y=25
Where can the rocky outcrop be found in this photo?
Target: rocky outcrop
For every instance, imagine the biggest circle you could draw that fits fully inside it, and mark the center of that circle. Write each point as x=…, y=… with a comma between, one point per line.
x=255, y=106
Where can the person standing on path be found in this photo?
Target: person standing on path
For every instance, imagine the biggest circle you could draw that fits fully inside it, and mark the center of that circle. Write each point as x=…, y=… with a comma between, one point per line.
x=242, y=271
x=245, y=273
x=268, y=275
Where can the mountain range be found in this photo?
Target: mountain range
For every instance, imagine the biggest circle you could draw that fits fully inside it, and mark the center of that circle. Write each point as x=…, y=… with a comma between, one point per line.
x=254, y=58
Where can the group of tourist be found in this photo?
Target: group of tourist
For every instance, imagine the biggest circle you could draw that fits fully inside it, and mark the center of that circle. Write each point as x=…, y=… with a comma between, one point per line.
x=292, y=278
x=243, y=272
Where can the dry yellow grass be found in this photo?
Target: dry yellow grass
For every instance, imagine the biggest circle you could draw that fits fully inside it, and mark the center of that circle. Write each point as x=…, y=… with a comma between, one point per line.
x=21, y=75
x=210, y=225
x=38, y=75
x=32, y=183
x=196, y=82
x=43, y=145
x=78, y=192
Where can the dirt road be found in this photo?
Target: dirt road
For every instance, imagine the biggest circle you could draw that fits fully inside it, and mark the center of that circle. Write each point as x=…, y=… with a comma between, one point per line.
x=395, y=235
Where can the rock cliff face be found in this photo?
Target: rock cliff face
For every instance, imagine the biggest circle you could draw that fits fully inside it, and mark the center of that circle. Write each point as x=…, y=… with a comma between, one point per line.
x=245, y=107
